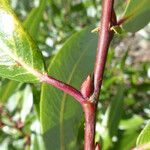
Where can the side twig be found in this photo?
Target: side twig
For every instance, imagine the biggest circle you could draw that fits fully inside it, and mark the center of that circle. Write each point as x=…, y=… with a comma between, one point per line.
x=64, y=87
x=88, y=102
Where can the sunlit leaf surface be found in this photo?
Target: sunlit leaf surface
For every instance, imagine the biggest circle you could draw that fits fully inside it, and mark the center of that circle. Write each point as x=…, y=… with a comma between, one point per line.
x=20, y=59
x=144, y=137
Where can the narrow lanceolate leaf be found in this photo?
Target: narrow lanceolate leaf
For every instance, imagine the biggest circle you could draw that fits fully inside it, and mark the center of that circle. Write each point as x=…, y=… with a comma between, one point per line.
x=33, y=20
x=144, y=137
x=136, y=15
x=60, y=113
x=20, y=59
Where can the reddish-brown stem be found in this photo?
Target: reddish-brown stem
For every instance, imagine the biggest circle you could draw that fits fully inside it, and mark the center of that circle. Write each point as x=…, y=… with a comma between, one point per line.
x=64, y=87
x=89, y=129
x=122, y=20
x=105, y=37
x=97, y=147
x=108, y=19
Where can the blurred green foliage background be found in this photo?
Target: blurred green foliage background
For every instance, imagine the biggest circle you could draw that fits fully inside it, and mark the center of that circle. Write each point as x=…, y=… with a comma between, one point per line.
x=125, y=92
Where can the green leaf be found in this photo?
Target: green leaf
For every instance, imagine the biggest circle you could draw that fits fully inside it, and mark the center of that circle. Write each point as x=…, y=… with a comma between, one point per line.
x=130, y=128
x=31, y=24
x=144, y=136
x=115, y=111
x=112, y=118
x=27, y=103
x=123, y=60
x=127, y=140
x=7, y=89
x=36, y=99
x=37, y=143
x=20, y=58
x=137, y=15
x=60, y=113
x=133, y=123
x=34, y=18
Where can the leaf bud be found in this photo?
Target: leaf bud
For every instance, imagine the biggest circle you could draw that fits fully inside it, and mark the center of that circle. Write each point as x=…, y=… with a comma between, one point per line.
x=87, y=87
x=97, y=147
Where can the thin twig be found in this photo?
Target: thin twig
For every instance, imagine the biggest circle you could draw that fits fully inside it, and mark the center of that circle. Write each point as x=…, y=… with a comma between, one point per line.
x=64, y=87
x=105, y=37
x=122, y=20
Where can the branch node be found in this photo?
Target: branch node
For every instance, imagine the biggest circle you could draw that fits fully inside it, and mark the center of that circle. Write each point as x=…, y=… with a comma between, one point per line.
x=116, y=29
x=97, y=29
x=87, y=87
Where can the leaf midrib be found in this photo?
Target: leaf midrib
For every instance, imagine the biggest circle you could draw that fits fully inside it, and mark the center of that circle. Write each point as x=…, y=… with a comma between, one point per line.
x=136, y=9
x=22, y=63
x=64, y=99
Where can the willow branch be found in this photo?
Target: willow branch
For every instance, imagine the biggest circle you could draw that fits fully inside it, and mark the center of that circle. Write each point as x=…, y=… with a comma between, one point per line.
x=64, y=87
x=89, y=129
x=105, y=37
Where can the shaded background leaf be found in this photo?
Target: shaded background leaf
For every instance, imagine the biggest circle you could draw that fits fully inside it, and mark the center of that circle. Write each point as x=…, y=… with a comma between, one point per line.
x=34, y=18
x=112, y=118
x=7, y=89
x=60, y=114
x=137, y=15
